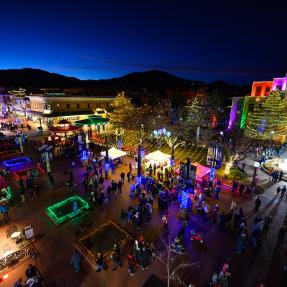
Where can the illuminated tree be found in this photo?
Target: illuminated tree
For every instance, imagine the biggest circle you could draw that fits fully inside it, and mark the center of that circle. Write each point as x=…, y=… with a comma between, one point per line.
x=169, y=258
x=123, y=112
x=268, y=121
x=195, y=115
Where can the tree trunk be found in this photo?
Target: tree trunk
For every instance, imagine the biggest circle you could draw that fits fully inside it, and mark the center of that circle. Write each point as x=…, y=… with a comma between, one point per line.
x=197, y=134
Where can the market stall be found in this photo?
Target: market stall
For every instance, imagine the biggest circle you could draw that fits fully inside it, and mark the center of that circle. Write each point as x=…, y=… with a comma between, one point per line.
x=114, y=153
x=62, y=131
x=201, y=171
x=157, y=158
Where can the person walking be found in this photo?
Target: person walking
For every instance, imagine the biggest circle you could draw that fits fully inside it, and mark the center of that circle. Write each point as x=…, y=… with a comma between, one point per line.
x=283, y=191
x=257, y=204
x=109, y=192
x=278, y=190
x=51, y=180
x=76, y=261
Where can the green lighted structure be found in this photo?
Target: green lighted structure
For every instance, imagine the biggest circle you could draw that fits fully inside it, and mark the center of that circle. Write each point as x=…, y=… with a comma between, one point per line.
x=67, y=209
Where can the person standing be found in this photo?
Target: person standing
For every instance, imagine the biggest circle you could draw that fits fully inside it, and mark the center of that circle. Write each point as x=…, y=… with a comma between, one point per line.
x=130, y=167
x=32, y=271
x=131, y=264
x=129, y=176
x=101, y=182
x=100, y=262
x=123, y=177
x=278, y=190
x=165, y=223
x=120, y=183
x=19, y=283
x=76, y=261
x=116, y=256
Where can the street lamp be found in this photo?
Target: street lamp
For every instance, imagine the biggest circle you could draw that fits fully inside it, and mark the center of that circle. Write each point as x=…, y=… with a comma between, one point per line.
x=221, y=136
x=256, y=165
x=140, y=151
x=107, y=164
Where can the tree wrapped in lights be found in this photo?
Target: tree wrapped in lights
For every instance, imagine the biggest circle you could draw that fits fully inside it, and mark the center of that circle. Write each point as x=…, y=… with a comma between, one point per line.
x=268, y=121
x=195, y=115
x=123, y=112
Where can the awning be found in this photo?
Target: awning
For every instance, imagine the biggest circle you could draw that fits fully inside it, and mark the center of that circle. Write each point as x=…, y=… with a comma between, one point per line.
x=114, y=153
x=201, y=170
x=91, y=121
x=158, y=156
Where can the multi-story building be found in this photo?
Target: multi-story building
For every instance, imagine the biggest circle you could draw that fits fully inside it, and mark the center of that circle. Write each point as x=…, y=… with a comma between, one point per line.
x=241, y=106
x=50, y=107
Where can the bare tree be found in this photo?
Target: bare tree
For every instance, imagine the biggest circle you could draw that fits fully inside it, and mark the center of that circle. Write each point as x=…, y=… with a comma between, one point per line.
x=167, y=257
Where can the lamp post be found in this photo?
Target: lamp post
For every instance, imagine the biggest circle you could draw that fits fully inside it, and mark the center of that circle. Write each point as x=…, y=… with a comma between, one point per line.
x=221, y=136
x=256, y=166
x=140, y=151
x=213, y=162
x=107, y=164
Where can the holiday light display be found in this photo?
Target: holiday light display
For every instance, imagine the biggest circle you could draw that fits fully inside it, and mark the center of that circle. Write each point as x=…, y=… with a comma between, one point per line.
x=268, y=121
x=65, y=210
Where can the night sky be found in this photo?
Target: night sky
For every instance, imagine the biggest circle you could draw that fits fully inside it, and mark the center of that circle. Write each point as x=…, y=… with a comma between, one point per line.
x=198, y=40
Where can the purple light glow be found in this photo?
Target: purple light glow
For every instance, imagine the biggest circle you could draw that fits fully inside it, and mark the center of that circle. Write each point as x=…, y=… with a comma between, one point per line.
x=279, y=82
x=233, y=113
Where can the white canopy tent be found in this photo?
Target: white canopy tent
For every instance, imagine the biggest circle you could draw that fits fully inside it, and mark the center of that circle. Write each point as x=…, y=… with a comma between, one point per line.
x=114, y=153
x=158, y=157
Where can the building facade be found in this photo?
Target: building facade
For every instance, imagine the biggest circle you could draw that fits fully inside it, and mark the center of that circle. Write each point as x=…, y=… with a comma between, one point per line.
x=264, y=88
x=49, y=108
x=241, y=106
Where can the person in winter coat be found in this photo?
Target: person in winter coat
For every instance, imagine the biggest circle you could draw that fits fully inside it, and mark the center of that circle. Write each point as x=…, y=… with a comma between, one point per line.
x=76, y=261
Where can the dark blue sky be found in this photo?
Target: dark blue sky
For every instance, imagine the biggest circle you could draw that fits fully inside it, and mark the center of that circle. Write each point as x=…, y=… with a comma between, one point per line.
x=201, y=40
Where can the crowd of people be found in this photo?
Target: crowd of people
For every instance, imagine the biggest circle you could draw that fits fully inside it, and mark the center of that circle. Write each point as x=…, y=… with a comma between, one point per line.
x=33, y=278
x=167, y=186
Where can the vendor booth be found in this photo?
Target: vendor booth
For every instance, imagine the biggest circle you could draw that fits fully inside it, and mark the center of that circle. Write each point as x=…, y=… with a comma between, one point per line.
x=201, y=171
x=159, y=158
x=114, y=153
x=62, y=131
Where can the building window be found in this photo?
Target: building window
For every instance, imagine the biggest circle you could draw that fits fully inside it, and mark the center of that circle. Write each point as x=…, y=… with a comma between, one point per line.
x=78, y=105
x=68, y=106
x=279, y=87
x=89, y=106
x=267, y=89
x=258, y=89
